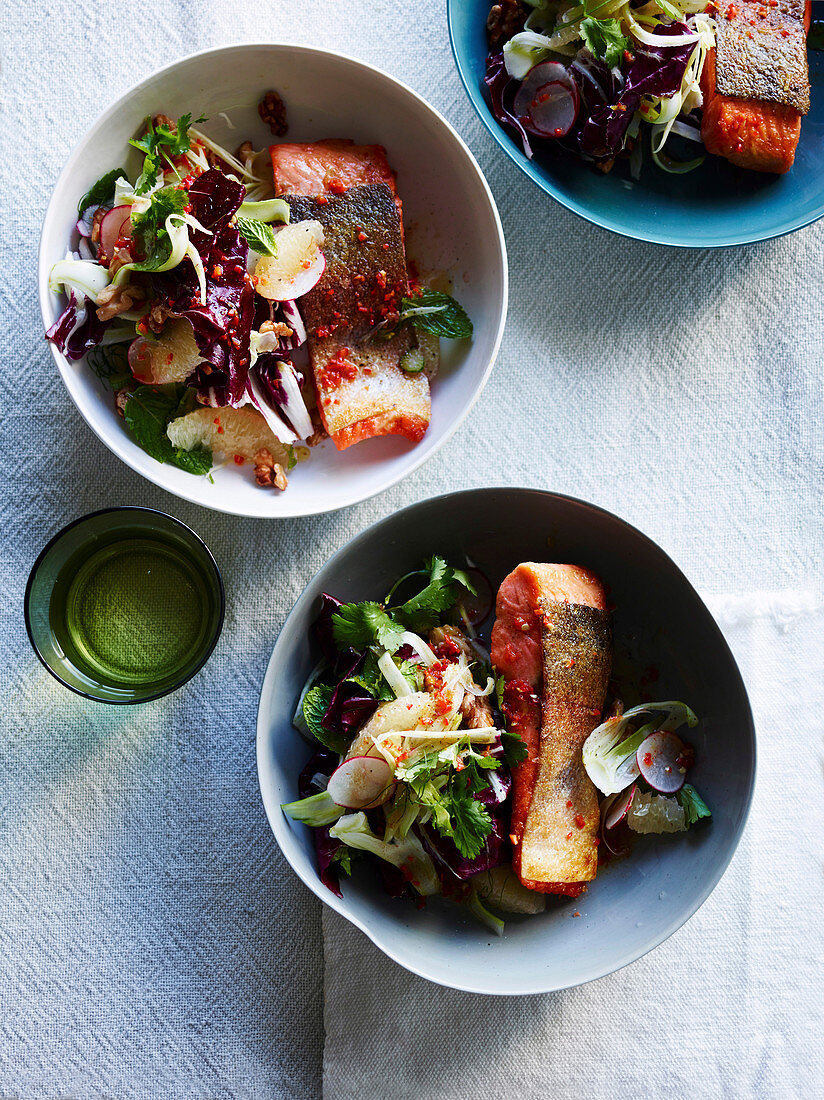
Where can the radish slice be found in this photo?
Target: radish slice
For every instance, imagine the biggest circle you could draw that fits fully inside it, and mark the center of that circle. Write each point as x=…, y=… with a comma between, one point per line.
x=663, y=759
x=619, y=809
x=606, y=810
x=113, y=227
x=298, y=265
x=553, y=111
x=545, y=72
x=361, y=783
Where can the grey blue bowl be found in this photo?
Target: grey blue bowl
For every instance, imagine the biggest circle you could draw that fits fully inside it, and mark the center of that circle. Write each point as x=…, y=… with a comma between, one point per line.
x=716, y=205
x=634, y=904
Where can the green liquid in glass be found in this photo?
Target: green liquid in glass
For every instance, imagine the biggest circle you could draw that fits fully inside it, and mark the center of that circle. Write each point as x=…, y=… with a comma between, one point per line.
x=134, y=612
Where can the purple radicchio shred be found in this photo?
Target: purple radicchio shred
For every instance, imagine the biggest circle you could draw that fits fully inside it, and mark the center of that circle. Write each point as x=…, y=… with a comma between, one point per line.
x=609, y=104
x=223, y=325
x=350, y=705
x=326, y=846
x=268, y=373
x=502, y=88
x=77, y=330
x=323, y=632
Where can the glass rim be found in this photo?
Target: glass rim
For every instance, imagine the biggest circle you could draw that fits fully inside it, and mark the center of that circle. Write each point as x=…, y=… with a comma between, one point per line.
x=209, y=648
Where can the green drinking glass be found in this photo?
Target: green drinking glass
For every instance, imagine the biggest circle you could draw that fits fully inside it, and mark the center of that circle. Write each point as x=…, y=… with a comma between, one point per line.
x=124, y=605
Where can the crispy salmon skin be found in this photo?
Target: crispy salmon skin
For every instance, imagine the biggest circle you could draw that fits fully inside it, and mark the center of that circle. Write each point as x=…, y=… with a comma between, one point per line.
x=552, y=642
x=756, y=85
x=361, y=389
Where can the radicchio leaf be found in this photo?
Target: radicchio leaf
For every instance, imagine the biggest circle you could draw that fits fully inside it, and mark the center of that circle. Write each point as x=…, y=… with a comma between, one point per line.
x=326, y=846
x=77, y=330
x=502, y=88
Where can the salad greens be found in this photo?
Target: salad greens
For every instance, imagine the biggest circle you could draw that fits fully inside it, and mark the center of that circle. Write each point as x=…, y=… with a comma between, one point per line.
x=149, y=410
x=399, y=678
x=258, y=235
x=598, y=77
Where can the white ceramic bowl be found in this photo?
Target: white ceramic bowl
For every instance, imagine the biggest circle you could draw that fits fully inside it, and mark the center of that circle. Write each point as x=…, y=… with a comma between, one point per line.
x=659, y=620
x=452, y=228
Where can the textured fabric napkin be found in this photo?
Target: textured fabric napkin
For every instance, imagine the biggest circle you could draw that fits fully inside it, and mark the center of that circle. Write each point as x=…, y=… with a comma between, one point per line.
x=153, y=942
x=728, y=1006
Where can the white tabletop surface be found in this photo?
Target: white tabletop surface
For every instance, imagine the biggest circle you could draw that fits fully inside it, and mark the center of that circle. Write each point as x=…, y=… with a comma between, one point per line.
x=153, y=943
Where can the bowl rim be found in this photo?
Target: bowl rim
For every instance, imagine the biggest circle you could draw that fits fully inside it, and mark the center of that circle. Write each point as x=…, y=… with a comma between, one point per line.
x=468, y=79
x=208, y=651
x=277, y=821
x=122, y=450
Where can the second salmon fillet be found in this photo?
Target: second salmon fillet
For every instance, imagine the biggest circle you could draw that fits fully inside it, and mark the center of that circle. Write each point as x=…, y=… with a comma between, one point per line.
x=552, y=642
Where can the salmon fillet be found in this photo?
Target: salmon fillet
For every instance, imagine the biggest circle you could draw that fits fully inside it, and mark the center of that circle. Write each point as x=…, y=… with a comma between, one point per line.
x=330, y=166
x=552, y=642
x=361, y=389
x=756, y=85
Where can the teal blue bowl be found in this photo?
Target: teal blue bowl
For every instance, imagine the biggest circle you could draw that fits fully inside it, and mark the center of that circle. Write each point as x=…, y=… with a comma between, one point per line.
x=715, y=206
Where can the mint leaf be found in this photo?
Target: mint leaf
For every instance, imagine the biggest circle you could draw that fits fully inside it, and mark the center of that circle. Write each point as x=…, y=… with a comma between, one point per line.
x=315, y=704
x=100, y=192
x=437, y=313
x=693, y=804
x=258, y=235
x=362, y=624
x=604, y=39
x=149, y=228
x=148, y=411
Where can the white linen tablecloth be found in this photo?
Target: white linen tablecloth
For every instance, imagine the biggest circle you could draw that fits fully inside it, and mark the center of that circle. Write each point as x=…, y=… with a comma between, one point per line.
x=153, y=942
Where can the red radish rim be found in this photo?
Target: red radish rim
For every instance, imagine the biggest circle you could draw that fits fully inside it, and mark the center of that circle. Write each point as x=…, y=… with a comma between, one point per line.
x=550, y=72
x=347, y=772
x=668, y=777
x=620, y=808
x=532, y=123
x=111, y=228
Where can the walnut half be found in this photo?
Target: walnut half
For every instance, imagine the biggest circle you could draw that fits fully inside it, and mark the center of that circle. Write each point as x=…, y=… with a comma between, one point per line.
x=272, y=110
x=268, y=472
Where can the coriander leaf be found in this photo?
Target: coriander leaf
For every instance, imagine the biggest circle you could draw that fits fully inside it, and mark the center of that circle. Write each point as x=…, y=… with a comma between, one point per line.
x=470, y=822
x=343, y=857
x=604, y=39
x=693, y=804
x=315, y=704
x=100, y=192
x=149, y=228
x=258, y=235
x=148, y=175
x=515, y=748
x=148, y=411
x=362, y=624
x=437, y=313
x=423, y=611
x=159, y=143
x=371, y=679
x=462, y=577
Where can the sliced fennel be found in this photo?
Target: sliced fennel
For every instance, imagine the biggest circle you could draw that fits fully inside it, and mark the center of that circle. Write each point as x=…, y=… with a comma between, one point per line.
x=85, y=276
x=393, y=676
x=316, y=810
x=408, y=855
x=268, y=211
x=609, y=757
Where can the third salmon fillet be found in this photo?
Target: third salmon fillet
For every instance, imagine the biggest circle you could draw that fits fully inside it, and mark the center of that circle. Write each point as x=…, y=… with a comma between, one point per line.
x=552, y=642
